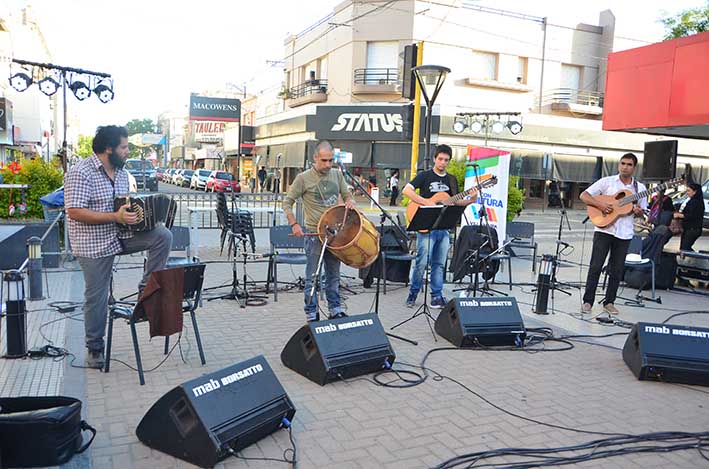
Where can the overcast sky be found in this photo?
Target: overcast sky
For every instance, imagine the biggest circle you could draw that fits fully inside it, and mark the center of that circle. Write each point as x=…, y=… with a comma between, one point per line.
x=159, y=50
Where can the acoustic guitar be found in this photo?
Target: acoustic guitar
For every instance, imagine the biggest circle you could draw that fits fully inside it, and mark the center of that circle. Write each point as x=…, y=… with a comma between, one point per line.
x=442, y=198
x=622, y=203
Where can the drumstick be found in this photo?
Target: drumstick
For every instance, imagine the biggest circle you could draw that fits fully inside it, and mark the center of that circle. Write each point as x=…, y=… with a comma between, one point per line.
x=344, y=219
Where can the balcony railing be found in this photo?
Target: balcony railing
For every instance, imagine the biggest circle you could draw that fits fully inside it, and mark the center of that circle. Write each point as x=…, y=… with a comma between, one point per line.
x=308, y=88
x=376, y=76
x=572, y=96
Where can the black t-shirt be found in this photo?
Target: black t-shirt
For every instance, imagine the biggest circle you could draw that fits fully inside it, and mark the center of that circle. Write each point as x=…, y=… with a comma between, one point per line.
x=429, y=183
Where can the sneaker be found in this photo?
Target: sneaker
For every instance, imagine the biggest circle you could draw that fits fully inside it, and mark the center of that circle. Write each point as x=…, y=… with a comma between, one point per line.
x=338, y=315
x=312, y=317
x=586, y=308
x=95, y=359
x=438, y=303
x=610, y=309
x=410, y=301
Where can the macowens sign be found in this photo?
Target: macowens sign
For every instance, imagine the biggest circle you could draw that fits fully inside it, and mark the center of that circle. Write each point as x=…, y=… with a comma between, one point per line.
x=392, y=123
x=203, y=108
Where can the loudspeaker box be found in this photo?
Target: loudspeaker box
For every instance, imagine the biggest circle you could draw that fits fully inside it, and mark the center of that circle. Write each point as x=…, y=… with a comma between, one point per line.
x=668, y=352
x=201, y=420
x=324, y=351
x=473, y=322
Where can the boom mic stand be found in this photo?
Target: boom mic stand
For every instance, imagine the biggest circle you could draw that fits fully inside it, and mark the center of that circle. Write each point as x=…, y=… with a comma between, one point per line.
x=482, y=215
x=384, y=215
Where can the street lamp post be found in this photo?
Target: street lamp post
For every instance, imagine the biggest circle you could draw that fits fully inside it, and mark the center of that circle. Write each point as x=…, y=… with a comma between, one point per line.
x=430, y=79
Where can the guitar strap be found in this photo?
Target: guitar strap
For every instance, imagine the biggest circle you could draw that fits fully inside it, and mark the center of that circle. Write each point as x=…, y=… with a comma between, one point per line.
x=635, y=186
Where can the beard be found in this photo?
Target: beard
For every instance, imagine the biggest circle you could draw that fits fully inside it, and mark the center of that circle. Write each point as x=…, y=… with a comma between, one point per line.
x=116, y=161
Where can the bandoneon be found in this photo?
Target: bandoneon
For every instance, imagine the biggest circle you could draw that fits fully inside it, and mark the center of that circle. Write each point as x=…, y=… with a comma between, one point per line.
x=151, y=209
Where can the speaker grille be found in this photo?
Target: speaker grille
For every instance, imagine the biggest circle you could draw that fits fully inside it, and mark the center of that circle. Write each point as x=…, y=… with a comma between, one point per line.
x=260, y=417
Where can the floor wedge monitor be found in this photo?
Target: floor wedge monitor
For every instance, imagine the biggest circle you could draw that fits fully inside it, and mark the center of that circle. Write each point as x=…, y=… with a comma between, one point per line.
x=203, y=420
x=481, y=322
x=325, y=351
x=668, y=352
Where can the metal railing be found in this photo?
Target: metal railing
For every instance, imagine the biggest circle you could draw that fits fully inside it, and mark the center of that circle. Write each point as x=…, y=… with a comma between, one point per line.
x=264, y=206
x=376, y=76
x=307, y=88
x=573, y=96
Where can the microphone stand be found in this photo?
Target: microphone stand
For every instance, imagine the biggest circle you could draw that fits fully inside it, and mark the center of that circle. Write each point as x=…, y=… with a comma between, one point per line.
x=277, y=188
x=554, y=282
x=481, y=215
x=402, y=232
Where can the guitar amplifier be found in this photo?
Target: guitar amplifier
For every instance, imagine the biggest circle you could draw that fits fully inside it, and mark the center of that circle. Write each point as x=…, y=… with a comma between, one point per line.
x=668, y=352
x=693, y=265
x=475, y=322
x=325, y=351
x=203, y=420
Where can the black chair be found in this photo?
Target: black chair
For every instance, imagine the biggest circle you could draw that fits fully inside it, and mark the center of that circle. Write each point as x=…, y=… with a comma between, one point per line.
x=225, y=217
x=393, y=247
x=525, y=232
x=180, y=242
x=191, y=293
x=280, y=241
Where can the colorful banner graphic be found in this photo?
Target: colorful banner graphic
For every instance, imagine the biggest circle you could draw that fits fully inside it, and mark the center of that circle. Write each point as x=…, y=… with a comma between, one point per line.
x=486, y=163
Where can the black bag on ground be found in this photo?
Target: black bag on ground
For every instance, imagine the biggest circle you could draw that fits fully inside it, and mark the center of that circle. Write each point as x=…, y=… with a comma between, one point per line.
x=41, y=431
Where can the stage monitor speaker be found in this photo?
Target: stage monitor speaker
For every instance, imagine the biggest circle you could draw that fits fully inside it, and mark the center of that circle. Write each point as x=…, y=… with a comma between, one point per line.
x=201, y=420
x=668, y=352
x=660, y=160
x=474, y=322
x=325, y=351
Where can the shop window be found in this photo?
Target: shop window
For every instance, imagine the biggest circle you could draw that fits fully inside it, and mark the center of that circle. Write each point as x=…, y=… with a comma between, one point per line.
x=536, y=188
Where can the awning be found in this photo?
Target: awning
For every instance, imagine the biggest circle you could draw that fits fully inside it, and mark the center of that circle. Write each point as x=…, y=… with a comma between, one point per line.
x=393, y=155
x=292, y=155
x=575, y=168
x=529, y=164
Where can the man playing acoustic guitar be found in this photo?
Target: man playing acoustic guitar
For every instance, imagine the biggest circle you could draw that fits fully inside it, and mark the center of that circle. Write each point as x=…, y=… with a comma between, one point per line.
x=615, y=237
x=433, y=245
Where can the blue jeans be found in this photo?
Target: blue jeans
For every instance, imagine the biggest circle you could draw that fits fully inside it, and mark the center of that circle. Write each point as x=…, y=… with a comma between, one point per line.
x=437, y=252
x=331, y=267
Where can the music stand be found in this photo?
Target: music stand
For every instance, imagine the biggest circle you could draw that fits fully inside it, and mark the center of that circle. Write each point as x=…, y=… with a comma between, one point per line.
x=431, y=217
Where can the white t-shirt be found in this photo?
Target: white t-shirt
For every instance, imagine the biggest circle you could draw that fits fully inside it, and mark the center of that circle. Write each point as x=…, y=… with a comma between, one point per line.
x=394, y=182
x=623, y=226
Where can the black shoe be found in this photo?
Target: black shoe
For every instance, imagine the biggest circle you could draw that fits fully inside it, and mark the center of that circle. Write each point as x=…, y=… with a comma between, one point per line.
x=339, y=315
x=95, y=359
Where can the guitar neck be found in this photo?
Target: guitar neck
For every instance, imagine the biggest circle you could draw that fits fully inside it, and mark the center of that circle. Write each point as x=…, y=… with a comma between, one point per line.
x=632, y=198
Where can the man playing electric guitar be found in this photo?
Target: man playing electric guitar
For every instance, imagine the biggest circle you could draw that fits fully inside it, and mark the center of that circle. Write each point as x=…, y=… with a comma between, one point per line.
x=434, y=244
x=615, y=237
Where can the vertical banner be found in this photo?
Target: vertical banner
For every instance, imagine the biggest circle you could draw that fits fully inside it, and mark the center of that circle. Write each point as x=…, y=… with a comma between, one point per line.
x=490, y=162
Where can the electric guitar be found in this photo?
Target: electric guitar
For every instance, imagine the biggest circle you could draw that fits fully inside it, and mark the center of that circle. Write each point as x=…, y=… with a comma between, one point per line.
x=622, y=203
x=442, y=198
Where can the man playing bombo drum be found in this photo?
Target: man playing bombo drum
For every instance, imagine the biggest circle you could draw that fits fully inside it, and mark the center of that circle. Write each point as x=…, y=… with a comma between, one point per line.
x=319, y=188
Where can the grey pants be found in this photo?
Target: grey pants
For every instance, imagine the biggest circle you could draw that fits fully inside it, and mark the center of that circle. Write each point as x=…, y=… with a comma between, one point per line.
x=98, y=275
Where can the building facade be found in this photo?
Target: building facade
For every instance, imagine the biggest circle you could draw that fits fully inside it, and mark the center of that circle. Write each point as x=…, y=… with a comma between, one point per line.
x=551, y=74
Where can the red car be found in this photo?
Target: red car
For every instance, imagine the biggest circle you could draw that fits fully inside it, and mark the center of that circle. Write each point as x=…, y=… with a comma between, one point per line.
x=221, y=181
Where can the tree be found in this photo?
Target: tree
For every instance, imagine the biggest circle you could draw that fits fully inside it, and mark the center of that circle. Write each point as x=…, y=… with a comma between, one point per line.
x=687, y=22
x=141, y=126
x=83, y=147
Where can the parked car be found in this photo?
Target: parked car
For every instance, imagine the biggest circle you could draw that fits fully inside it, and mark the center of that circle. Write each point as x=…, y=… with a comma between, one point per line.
x=159, y=173
x=144, y=173
x=167, y=176
x=221, y=181
x=186, y=178
x=176, y=176
x=199, y=179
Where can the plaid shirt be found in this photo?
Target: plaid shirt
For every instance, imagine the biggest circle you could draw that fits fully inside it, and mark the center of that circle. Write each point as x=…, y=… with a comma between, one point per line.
x=87, y=185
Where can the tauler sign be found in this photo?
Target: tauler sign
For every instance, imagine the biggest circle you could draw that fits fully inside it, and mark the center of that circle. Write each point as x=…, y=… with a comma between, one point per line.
x=388, y=123
x=203, y=108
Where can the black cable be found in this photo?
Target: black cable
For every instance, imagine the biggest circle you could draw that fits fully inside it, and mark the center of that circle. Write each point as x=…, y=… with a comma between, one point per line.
x=179, y=338
x=684, y=313
x=286, y=459
x=664, y=442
